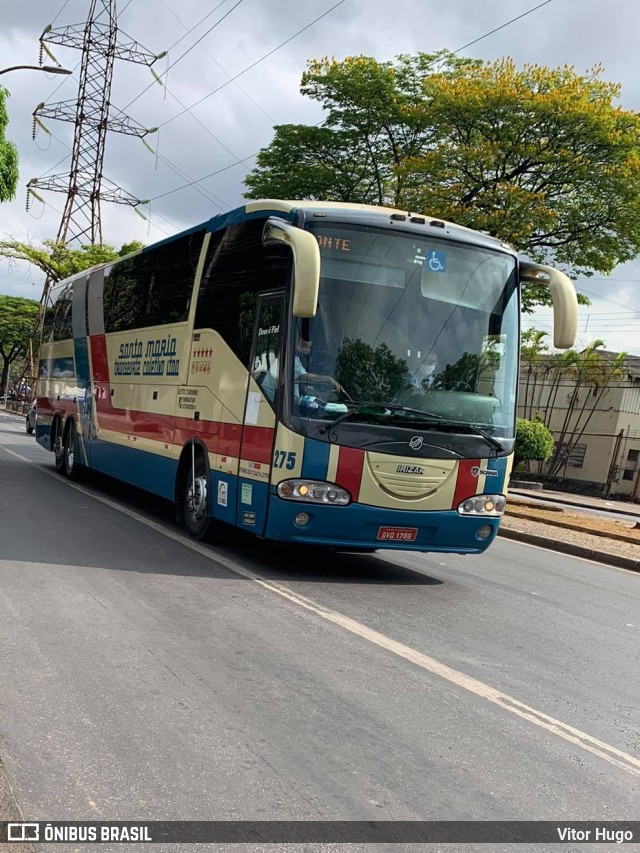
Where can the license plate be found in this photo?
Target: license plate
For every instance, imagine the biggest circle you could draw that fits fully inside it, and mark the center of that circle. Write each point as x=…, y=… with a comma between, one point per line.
x=397, y=534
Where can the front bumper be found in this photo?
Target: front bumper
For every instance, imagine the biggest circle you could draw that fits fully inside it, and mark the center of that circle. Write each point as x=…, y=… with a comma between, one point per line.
x=356, y=526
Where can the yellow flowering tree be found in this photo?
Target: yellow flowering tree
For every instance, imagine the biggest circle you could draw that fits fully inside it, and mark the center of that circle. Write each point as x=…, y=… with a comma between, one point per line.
x=543, y=158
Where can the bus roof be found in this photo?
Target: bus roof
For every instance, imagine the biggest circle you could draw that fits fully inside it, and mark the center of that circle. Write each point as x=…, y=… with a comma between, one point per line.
x=289, y=208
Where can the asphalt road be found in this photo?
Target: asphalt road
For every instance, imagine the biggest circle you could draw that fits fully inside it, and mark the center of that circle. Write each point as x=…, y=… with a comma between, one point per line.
x=148, y=677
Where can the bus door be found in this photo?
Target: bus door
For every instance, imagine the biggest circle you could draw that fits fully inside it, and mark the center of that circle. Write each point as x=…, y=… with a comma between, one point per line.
x=259, y=424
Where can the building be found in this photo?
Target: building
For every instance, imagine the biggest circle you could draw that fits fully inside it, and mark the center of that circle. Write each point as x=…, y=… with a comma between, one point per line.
x=595, y=423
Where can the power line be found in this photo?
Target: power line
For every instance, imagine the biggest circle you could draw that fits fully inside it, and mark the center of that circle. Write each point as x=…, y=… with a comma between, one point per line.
x=221, y=67
x=199, y=180
x=257, y=62
x=166, y=71
x=502, y=26
x=605, y=298
x=60, y=12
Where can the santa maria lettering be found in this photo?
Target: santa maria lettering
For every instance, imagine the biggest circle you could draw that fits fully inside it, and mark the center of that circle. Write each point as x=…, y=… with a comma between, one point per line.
x=155, y=357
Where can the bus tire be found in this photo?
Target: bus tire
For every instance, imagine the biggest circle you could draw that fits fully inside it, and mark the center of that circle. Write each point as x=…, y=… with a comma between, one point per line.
x=58, y=448
x=71, y=465
x=195, y=500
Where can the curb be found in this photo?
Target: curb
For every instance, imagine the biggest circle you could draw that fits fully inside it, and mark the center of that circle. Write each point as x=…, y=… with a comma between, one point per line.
x=572, y=550
x=576, y=526
x=547, y=497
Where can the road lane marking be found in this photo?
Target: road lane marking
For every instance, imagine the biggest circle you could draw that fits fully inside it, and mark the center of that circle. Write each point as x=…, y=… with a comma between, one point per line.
x=613, y=755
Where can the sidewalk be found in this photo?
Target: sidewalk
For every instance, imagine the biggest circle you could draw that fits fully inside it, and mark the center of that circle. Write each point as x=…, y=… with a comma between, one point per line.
x=621, y=507
x=570, y=530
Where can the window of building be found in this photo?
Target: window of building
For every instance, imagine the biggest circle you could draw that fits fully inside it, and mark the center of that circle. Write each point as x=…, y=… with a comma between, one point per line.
x=573, y=455
x=576, y=455
x=632, y=463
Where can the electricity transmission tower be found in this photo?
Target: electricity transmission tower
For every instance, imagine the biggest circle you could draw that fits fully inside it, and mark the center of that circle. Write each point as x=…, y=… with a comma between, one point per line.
x=85, y=185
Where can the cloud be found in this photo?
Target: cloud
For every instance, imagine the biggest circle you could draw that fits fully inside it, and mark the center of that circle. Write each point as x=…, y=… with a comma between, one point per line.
x=242, y=118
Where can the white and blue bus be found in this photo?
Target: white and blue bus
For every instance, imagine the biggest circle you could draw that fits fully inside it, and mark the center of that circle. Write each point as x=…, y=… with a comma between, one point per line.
x=321, y=373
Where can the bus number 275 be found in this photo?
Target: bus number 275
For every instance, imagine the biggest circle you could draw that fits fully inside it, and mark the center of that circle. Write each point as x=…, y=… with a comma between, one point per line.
x=284, y=459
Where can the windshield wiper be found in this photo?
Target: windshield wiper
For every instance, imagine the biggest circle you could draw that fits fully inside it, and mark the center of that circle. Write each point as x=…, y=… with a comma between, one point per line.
x=476, y=430
x=430, y=419
x=387, y=409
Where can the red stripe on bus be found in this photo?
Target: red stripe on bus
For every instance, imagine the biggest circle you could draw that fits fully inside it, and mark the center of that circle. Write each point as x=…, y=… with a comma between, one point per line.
x=467, y=482
x=349, y=473
x=257, y=443
x=217, y=436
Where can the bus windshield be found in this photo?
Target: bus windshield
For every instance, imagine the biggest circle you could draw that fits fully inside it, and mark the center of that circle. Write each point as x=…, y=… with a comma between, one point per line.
x=409, y=331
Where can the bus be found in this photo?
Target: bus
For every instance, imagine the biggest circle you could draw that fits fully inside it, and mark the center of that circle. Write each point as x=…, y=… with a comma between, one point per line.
x=332, y=374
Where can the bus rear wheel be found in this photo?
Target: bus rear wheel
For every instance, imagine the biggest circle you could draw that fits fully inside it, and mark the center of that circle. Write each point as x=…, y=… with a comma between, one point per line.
x=195, y=502
x=58, y=451
x=72, y=468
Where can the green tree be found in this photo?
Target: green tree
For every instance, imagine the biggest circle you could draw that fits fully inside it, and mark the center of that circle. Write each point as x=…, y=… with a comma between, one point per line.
x=534, y=441
x=17, y=326
x=58, y=261
x=375, y=375
x=542, y=158
x=8, y=154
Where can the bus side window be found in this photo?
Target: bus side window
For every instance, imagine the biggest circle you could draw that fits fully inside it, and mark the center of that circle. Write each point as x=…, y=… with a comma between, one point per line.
x=237, y=268
x=171, y=284
x=62, y=325
x=126, y=284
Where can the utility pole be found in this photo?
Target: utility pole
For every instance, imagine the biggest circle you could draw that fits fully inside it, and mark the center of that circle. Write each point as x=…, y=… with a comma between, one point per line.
x=84, y=185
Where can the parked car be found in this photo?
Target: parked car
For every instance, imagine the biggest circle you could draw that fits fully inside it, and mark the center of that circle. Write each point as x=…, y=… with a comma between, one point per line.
x=31, y=418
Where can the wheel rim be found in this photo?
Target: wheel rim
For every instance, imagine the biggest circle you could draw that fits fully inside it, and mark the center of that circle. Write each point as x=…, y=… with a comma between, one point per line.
x=58, y=449
x=196, y=498
x=70, y=451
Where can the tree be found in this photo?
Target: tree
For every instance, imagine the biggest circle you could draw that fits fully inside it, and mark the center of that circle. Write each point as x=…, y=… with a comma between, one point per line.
x=534, y=441
x=368, y=373
x=58, y=261
x=541, y=158
x=593, y=373
x=17, y=326
x=8, y=154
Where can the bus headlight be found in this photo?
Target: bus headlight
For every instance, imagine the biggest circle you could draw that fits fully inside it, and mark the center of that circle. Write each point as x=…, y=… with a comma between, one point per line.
x=492, y=505
x=313, y=491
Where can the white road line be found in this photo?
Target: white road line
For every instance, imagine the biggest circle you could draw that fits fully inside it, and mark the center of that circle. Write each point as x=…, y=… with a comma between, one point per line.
x=617, y=757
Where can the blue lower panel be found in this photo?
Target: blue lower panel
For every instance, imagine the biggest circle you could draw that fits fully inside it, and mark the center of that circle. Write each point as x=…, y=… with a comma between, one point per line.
x=156, y=474
x=357, y=526
x=253, y=498
x=223, y=501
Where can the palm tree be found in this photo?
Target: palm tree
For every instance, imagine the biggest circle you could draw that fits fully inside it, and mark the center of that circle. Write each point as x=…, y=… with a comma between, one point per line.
x=532, y=349
x=594, y=373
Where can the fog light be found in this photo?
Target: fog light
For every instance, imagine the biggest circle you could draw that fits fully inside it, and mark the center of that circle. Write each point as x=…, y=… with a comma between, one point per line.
x=483, y=532
x=313, y=491
x=302, y=518
x=483, y=505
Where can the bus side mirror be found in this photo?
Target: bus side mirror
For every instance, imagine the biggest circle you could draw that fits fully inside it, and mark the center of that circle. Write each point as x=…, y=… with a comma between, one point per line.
x=563, y=296
x=306, y=263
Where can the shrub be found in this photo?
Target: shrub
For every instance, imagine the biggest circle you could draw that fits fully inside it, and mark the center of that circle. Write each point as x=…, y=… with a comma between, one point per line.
x=534, y=441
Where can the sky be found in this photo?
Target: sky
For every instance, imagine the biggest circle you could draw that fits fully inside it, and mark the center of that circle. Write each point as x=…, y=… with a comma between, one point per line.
x=253, y=53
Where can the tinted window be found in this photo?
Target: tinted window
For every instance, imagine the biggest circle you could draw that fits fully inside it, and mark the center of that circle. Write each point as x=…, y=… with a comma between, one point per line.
x=152, y=288
x=237, y=268
x=57, y=324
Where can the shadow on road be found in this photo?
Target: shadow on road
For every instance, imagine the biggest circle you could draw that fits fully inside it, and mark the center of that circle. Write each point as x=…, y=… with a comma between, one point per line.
x=59, y=537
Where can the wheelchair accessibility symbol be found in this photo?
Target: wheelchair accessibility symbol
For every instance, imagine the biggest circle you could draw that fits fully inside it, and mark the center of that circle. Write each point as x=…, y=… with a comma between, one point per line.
x=437, y=261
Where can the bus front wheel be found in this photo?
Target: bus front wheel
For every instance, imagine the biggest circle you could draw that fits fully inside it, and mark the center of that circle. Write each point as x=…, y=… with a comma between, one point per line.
x=195, y=503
